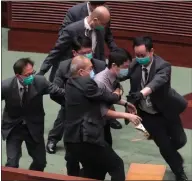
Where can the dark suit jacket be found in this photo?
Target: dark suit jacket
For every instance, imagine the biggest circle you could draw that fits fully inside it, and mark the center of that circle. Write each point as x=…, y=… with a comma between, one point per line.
x=63, y=73
x=79, y=12
x=63, y=47
x=83, y=115
x=165, y=99
x=33, y=112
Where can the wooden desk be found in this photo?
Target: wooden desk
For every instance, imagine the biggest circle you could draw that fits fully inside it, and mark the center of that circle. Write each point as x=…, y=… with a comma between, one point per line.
x=10, y=174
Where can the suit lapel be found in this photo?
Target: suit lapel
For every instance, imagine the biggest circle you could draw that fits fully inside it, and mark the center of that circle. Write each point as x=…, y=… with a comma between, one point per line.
x=32, y=92
x=138, y=76
x=152, y=70
x=99, y=40
x=15, y=92
x=98, y=35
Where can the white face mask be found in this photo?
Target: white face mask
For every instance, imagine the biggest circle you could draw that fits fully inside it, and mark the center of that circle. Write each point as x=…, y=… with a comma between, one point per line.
x=123, y=72
x=92, y=74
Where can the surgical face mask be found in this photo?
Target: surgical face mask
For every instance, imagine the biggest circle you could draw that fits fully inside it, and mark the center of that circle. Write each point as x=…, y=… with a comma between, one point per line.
x=123, y=72
x=28, y=80
x=89, y=55
x=92, y=74
x=143, y=61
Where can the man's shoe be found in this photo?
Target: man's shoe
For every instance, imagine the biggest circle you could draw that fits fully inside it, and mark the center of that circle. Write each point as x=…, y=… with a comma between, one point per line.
x=115, y=124
x=51, y=147
x=181, y=176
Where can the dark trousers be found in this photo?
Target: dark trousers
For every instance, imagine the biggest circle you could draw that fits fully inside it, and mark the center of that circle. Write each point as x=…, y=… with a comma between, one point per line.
x=168, y=135
x=56, y=133
x=107, y=134
x=73, y=168
x=14, y=150
x=97, y=161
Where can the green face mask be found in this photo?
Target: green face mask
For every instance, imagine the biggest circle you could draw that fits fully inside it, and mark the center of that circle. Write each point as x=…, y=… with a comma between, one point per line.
x=99, y=27
x=89, y=55
x=143, y=61
x=28, y=80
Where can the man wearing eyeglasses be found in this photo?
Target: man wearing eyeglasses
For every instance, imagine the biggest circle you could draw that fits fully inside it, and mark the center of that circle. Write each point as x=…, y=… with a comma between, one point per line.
x=23, y=116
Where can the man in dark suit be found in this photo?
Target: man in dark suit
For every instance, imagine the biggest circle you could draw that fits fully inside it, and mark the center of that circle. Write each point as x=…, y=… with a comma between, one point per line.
x=23, y=116
x=91, y=26
x=158, y=104
x=84, y=133
x=81, y=46
x=82, y=10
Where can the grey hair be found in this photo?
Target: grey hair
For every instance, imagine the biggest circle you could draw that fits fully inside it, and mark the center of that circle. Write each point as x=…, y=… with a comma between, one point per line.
x=78, y=62
x=73, y=68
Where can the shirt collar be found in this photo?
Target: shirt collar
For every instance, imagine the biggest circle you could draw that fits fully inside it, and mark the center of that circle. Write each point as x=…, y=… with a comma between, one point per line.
x=148, y=66
x=20, y=86
x=87, y=27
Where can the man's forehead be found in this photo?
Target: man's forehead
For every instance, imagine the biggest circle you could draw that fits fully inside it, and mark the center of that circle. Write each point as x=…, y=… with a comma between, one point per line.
x=124, y=65
x=140, y=47
x=89, y=64
x=28, y=68
x=85, y=50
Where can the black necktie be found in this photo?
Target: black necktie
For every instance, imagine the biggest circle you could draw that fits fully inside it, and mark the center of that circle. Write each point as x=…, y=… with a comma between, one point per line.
x=24, y=97
x=146, y=75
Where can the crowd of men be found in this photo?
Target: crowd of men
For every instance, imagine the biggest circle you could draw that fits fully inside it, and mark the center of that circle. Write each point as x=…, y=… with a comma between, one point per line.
x=83, y=83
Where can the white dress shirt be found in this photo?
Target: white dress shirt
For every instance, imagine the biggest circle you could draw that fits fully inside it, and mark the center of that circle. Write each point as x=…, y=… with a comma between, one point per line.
x=146, y=104
x=88, y=28
x=21, y=91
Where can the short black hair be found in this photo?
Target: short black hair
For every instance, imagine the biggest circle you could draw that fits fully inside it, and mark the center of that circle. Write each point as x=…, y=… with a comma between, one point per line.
x=116, y=57
x=125, y=51
x=97, y=2
x=81, y=41
x=143, y=40
x=20, y=64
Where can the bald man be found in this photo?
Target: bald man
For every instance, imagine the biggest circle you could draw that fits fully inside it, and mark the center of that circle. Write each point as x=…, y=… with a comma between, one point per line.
x=84, y=133
x=92, y=26
x=82, y=10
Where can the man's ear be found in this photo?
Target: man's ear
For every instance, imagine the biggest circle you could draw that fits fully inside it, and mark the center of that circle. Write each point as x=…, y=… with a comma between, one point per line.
x=80, y=72
x=74, y=53
x=152, y=50
x=95, y=19
x=114, y=65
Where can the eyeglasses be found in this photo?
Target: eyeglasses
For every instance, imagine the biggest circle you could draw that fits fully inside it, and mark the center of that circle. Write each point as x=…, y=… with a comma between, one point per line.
x=32, y=73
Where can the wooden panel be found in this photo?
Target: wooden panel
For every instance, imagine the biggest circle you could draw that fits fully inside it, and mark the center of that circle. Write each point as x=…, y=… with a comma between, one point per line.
x=10, y=174
x=142, y=16
x=21, y=40
x=162, y=17
x=4, y=14
x=182, y=40
x=46, y=14
x=146, y=172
